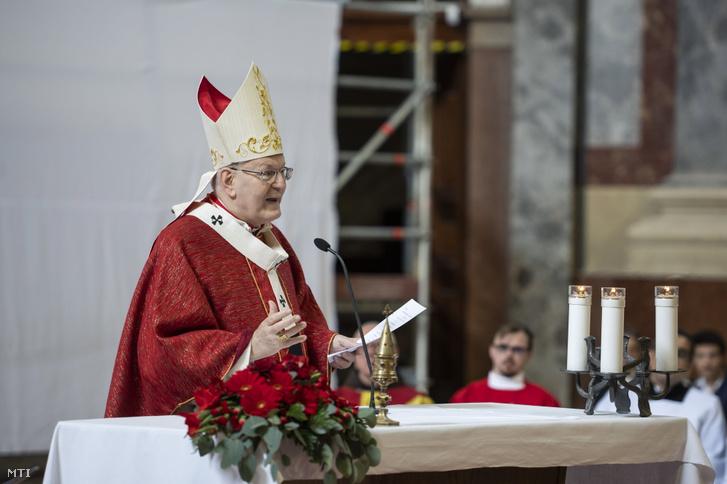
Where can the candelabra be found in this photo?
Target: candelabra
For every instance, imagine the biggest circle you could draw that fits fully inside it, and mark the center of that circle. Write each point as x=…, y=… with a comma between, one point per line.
x=618, y=384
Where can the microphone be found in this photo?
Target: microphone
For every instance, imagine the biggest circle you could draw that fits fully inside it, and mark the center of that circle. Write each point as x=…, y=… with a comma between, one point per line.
x=326, y=247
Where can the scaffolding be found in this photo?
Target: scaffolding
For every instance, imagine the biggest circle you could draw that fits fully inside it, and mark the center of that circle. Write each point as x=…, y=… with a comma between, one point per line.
x=416, y=107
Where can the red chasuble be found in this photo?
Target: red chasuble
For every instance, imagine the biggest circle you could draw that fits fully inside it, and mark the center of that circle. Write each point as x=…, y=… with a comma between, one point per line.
x=193, y=313
x=400, y=395
x=480, y=391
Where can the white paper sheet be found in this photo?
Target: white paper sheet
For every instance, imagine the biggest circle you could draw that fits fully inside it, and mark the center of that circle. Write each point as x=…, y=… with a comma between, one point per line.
x=397, y=319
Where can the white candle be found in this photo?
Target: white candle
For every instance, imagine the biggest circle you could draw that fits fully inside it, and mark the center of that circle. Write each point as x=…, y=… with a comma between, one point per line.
x=579, y=327
x=666, y=302
x=613, y=301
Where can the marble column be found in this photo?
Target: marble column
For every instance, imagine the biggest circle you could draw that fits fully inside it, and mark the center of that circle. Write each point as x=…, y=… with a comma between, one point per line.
x=542, y=180
x=701, y=128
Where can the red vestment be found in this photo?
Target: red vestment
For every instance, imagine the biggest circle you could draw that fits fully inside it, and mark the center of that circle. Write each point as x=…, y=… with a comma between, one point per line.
x=480, y=391
x=195, y=307
x=400, y=395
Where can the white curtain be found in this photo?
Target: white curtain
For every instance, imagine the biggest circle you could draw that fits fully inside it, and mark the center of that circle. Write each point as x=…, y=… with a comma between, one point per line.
x=99, y=135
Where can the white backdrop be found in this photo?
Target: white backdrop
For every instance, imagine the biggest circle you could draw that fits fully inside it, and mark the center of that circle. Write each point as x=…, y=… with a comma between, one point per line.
x=99, y=136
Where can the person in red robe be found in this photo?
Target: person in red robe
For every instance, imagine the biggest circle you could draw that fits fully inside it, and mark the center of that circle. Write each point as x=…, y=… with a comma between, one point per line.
x=357, y=386
x=510, y=351
x=222, y=287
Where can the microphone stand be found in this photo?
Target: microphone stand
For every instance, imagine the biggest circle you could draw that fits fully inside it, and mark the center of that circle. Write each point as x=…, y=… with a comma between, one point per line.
x=326, y=247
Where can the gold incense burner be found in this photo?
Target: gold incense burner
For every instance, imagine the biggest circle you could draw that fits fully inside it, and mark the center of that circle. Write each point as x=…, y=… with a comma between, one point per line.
x=385, y=371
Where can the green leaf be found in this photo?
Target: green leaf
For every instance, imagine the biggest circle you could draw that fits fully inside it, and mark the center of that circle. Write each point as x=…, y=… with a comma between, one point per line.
x=274, y=472
x=254, y=426
x=329, y=478
x=357, y=449
x=368, y=415
x=340, y=444
x=331, y=409
x=247, y=467
x=285, y=459
x=272, y=439
x=321, y=424
x=297, y=411
x=374, y=454
x=310, y=438
x=274, y=420
x=327, y=457
x=233, y=451
x=361, y=467
x=299, y=436
x=363, y=434
x=343, y=464
x=291, y=425
x=205, y=444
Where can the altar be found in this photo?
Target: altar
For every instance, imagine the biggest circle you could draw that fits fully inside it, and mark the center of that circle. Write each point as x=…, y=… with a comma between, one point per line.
x=435, y=443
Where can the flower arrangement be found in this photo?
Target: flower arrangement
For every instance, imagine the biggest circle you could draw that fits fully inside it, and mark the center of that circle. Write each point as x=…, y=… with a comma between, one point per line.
x=268, y=401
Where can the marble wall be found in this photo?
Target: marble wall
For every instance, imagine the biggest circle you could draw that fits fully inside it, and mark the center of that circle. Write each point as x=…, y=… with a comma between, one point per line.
x=701, y=136
x=614, y=72
x=541, y=191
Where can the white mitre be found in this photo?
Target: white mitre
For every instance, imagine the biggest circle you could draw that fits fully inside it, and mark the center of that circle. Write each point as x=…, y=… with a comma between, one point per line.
x=239, y=129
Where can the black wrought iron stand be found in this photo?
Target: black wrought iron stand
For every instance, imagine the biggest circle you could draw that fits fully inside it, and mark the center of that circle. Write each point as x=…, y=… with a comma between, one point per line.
x=617, y=383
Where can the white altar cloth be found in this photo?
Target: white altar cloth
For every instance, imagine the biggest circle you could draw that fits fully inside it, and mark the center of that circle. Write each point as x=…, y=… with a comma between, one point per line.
x=596, y=448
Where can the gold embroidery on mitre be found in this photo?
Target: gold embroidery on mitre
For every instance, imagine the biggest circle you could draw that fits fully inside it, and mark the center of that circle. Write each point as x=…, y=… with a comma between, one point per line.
x=217, y=157
x=272, y=138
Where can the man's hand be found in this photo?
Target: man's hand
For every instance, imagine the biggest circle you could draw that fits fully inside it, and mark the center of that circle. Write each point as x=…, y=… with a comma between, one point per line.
x=343, y=360
x=271, y=335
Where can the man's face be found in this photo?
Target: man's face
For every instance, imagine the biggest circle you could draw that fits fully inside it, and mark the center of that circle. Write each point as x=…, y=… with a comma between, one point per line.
x=257, y=202
x=509, y=353
x=708, y=361
x=684, y=348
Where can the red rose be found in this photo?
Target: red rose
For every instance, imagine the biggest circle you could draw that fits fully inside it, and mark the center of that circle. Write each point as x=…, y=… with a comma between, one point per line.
x=243, y=381
x=304, y=372
x=341, y=401
x=293, y=362
x=260, y=400
x=282, y=382
x=322, y=382
x=309, y=398
x=192, y=421
x=207, y=397
x=237, y=423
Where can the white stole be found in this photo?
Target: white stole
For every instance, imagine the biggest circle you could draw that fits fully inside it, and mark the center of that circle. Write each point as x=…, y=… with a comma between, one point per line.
x=267, y=255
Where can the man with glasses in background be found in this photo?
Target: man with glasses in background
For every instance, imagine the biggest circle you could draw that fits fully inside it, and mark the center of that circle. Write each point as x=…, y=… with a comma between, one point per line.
x=510, y=351
x=222, y=287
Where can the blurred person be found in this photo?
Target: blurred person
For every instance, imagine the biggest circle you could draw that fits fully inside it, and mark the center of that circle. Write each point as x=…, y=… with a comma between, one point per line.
x=222, y=287
x=708, y=364
x=357, y=386
x=703, y=410
x=510, y=351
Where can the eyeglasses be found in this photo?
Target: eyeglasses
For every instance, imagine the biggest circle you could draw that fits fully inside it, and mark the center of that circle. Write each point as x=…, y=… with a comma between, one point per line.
x=517, y=350
x=268, y=175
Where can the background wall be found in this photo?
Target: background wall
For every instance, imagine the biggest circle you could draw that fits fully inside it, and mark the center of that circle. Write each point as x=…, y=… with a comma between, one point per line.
x=99, y=136
x=542, y=186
